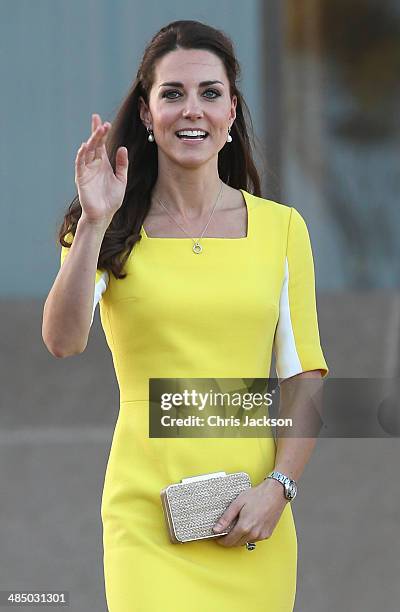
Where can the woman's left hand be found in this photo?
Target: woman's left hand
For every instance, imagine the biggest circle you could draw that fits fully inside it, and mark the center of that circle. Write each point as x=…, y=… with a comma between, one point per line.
x=259, y=509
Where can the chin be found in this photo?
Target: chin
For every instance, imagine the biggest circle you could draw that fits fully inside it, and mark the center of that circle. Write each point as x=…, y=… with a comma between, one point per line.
x=191, y=161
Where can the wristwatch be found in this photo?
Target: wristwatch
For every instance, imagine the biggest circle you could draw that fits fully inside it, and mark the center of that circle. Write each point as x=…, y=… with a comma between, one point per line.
x=290, y=485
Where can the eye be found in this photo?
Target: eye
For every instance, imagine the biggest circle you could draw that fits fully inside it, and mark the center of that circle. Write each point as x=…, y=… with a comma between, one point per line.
x=166, y=94
x=213, y=91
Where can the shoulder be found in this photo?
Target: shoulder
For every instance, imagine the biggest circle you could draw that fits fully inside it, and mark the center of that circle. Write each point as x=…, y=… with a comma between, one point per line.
x=285, y=215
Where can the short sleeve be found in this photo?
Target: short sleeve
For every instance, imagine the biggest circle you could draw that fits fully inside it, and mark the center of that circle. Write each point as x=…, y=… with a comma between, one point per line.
x=102, y=277
x=297, y=345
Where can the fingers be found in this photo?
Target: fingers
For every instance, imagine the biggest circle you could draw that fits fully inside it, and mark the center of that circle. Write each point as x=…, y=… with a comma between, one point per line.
x=238, y=536
x=90, y=150
x=96, y=121
x=121, y=164
x=100, y=140
x=95, y=146
x=80, y=161
x=94, y=149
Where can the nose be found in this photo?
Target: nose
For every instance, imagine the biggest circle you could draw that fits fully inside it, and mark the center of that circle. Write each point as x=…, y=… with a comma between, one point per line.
x=192, y=108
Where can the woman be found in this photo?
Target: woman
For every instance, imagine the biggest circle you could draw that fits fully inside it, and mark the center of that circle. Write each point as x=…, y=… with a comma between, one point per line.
x=197, y=276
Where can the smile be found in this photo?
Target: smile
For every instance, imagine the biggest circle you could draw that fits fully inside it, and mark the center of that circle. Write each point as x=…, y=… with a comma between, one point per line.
x=191, y=135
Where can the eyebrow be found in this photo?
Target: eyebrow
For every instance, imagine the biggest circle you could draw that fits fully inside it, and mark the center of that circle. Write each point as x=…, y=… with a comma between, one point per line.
x=178, y=84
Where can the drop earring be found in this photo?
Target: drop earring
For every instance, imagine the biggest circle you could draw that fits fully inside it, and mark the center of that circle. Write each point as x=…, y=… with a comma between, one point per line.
x=150, y=136
x=229, y=137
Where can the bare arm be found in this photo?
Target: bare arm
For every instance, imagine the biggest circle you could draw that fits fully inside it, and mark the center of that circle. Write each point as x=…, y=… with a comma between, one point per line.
x=67, y=311
x=293, y=453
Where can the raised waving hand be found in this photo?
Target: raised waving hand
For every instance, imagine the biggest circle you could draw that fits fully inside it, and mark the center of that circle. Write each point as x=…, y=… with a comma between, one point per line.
x=101, y=191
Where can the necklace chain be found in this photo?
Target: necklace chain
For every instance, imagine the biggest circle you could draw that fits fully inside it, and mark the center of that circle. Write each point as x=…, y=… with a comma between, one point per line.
x=197, y=248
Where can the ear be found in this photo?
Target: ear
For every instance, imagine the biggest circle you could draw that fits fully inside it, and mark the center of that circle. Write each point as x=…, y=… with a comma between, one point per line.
x=144, y=112
x=232, y=114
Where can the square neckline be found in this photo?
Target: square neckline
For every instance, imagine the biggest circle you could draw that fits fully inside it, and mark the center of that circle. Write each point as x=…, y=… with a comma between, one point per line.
x=248, y=234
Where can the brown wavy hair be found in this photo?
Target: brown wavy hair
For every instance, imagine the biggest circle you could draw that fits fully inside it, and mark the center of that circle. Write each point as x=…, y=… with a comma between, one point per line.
x=235, y=161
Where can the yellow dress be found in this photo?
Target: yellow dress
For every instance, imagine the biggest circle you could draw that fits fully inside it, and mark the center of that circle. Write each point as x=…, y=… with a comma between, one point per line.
x=219, y=313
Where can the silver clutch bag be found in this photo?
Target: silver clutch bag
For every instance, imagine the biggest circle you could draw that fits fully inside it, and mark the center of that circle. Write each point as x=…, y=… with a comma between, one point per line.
x=193, y=505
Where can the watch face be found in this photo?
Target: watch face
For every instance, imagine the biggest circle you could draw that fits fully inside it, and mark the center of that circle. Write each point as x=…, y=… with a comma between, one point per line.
x=291, y=490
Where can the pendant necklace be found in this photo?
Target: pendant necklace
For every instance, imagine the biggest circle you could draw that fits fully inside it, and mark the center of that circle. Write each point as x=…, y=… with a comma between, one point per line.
x=197, y=248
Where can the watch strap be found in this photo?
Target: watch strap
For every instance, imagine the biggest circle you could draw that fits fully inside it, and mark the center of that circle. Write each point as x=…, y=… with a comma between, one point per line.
x=283, y=479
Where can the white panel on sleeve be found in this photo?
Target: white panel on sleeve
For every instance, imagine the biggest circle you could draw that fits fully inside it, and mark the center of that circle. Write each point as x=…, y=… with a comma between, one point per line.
x=100, y=287
x=286, y=355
